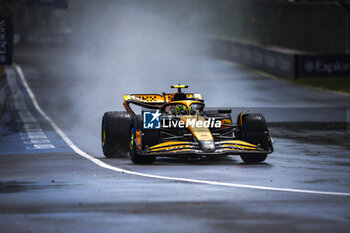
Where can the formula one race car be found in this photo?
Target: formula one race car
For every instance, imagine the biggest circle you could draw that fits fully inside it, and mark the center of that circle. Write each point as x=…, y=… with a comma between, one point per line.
x=178, y=125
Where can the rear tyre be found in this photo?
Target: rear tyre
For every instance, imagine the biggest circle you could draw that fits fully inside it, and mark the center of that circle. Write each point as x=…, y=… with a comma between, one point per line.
x=253, y=129
x=115, y=134
x=134, y=155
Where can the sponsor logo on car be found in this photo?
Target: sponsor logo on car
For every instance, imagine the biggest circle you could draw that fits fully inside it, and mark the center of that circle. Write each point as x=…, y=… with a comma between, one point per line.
x=155, y=120
x=210, y=123
x=151, y=120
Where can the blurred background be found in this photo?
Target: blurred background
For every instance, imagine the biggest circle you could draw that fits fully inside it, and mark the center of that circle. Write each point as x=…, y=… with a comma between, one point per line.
x=318, y=26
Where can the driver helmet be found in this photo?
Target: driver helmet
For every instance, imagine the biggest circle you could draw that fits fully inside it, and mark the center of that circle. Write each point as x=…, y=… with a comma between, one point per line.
x=181, y=108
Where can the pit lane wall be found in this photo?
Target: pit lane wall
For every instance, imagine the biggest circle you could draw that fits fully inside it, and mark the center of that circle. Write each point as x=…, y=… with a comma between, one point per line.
x=282, y=62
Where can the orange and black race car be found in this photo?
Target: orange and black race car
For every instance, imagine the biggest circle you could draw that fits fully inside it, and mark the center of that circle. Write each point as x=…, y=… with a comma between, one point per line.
x=178, y=125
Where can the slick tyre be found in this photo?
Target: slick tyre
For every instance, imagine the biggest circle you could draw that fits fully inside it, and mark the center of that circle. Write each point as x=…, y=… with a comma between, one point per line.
x=253, y=129
x=134, y=154
x=115, y=134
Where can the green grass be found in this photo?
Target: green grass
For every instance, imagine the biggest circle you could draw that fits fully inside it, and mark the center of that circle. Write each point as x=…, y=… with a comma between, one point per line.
x=339, y=84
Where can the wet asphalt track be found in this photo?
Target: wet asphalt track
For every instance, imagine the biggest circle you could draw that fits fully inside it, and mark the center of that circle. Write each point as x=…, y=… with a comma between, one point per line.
x=56, y=190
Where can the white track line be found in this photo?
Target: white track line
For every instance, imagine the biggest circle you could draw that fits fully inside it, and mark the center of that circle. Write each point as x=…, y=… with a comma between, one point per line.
x=107, y=166
x=29, y=125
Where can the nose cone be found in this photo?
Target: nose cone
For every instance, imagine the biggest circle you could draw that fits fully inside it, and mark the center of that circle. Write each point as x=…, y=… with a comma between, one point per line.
x=207, y=145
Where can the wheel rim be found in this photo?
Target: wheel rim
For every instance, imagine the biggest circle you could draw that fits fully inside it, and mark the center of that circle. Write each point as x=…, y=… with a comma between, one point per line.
x=131, y=144
x=103, y=133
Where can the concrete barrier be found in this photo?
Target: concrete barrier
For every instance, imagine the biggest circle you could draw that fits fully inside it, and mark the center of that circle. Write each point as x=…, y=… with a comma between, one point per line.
x=282, y=62
x=3, y=93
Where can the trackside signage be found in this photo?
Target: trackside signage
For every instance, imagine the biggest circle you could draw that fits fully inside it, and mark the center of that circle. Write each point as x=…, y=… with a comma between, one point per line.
x=324, y=65
x=5, y=41
x=155, y=120
x=283, y=63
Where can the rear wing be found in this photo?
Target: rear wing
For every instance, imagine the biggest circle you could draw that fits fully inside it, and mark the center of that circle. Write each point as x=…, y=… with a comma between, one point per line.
x=145, y=98
x=156, y=99
x=153, y=101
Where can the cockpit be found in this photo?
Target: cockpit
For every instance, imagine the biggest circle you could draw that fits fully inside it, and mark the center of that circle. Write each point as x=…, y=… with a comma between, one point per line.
x=180, y=109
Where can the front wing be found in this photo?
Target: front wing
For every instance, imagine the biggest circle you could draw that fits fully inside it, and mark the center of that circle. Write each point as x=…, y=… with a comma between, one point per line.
x=227, y=147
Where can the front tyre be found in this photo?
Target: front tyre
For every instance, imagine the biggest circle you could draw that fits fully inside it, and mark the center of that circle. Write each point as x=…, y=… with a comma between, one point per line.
x=134, y=155
x=251, y=159
x=253, y=129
